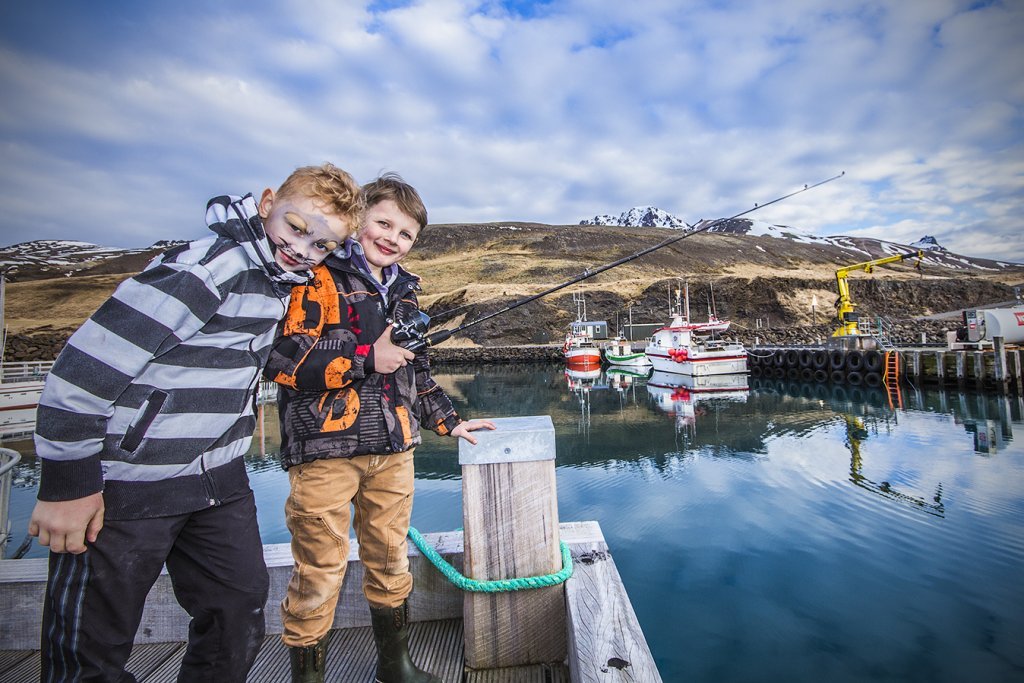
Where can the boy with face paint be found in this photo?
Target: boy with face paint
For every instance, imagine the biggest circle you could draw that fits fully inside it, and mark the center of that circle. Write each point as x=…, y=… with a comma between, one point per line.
x=142, y=428
x=351, y=405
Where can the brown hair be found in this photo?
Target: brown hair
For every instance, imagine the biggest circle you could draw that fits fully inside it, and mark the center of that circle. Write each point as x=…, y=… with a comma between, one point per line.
x=331, y=186
x=391, y=186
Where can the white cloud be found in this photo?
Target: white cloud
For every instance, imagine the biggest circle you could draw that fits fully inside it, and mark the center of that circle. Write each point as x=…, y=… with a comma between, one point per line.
x=550, y=114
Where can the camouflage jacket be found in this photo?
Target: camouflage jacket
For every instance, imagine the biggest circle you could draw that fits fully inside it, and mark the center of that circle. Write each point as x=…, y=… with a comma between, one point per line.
x=332, y=404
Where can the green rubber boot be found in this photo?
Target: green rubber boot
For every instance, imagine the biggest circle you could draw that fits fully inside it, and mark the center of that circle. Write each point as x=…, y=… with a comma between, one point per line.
x=391, y=633
x=308, y=663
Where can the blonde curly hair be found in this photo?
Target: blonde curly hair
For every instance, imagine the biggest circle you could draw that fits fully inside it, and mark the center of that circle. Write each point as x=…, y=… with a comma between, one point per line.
x=338, y=191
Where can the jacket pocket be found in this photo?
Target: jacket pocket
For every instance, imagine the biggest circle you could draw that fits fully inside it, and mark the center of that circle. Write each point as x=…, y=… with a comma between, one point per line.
x=143, y=419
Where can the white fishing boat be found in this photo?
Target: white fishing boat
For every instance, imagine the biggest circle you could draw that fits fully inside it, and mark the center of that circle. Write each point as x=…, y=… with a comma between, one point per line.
x=690, y=348
x=579, y=349
x=17, y=391
x=620, y=352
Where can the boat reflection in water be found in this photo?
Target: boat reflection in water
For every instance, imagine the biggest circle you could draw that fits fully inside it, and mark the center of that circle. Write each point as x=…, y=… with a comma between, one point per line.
x=581, y=382
x=682, y=395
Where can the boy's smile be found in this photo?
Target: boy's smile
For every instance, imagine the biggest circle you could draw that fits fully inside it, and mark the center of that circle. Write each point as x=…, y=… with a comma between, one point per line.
x=299, y=231
x=386, y=236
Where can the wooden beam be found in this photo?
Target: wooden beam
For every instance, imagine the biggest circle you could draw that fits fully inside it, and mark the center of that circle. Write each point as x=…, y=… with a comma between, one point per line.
x=605, y=640
x=23, y=583
x=510, y=516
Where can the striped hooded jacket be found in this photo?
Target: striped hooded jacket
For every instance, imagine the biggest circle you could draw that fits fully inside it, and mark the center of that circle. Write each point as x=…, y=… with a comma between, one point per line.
x=151, y=400
x=331, y=401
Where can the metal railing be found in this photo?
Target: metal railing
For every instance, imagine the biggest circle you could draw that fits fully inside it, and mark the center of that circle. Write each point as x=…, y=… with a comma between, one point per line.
x=8, y=459
x=24, y=371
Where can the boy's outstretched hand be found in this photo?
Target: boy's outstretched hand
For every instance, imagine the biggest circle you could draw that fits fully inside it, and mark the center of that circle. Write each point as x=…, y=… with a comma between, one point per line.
x=387, y=357
x=67, y=525
x=464, y=428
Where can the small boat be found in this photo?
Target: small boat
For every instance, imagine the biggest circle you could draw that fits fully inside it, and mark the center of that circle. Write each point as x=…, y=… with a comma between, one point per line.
x=689, y=348
x=19, y=394
x=579, y=349
x=620, y=351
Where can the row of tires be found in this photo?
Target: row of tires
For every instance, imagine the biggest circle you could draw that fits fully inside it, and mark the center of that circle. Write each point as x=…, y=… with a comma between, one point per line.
x=825, y=392
x=819, y=365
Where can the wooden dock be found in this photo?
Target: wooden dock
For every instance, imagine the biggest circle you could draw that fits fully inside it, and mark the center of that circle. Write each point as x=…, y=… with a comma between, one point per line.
x=605, y=640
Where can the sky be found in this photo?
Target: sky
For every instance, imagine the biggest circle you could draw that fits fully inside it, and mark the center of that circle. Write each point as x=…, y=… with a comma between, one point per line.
x=121, y=119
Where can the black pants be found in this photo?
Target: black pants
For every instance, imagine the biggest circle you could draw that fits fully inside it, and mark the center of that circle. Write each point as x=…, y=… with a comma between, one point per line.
x=94, y=601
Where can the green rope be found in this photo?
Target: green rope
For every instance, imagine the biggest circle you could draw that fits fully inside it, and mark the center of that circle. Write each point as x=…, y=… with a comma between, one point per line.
x=498, y=585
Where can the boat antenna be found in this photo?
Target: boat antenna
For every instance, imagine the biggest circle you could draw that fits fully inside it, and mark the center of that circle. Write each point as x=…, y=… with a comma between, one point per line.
x=412, y=334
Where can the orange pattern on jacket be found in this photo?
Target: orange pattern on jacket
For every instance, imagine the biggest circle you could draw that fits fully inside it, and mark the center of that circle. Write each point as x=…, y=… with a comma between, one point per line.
x=325, y=294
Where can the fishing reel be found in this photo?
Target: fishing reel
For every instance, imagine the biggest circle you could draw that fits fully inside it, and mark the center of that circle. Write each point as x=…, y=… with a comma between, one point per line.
x=412, y=333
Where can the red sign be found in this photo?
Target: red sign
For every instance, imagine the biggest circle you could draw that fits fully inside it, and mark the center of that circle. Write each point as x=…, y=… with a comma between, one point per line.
x=1020, y=319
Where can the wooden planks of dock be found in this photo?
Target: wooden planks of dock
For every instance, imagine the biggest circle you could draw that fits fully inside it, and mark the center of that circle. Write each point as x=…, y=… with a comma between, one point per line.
x=604, y=637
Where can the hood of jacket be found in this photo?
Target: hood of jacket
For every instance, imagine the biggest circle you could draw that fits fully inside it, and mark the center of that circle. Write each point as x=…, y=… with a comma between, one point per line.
x=238, y=219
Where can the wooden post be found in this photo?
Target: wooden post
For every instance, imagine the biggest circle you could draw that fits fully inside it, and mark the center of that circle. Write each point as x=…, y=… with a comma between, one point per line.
x=961, y=362
x=979, y=368
x=510, y=517
x=1018, y=375
x=999, y=365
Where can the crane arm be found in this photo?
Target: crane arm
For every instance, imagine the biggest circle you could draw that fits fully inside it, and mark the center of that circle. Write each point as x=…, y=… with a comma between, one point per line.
x=844, y=305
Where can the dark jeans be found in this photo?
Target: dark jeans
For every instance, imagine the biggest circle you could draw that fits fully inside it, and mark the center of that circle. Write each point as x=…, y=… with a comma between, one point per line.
x=94, y=601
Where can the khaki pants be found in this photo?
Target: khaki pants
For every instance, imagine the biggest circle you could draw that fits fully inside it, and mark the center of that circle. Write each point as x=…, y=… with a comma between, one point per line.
x=317, y=511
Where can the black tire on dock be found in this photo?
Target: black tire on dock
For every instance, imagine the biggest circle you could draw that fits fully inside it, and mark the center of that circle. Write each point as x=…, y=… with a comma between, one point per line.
x=873, y=379
x=820, y=375
x=779, y=358
x=753, y=359
x=806, y=375
x=839, y=393
x=854, y=361
x=755, y=371
x=792, y=373
x=807, y=391
x=806, y=358
x=837, y=359
x=821, y=392
x=837, y=377
x=854, y=378
x=778, y=373
x=792, y=358
x=873, y=361
x=820, y=360
x=856, y=394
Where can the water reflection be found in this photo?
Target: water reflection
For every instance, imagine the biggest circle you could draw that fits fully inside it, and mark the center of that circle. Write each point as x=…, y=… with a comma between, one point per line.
x=878, y=541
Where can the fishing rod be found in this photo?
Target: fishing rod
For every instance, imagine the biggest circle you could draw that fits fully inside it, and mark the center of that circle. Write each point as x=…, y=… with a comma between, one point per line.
x=412, y=334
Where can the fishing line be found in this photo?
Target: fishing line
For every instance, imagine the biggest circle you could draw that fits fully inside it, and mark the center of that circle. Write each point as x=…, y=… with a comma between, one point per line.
x=412, y=334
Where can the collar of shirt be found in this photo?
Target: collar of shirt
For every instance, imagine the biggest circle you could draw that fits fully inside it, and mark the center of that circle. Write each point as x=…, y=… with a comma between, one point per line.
x=353, y=251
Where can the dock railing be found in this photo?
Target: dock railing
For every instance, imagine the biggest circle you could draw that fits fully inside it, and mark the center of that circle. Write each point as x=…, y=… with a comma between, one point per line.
x=24, y=371
x=8, y=460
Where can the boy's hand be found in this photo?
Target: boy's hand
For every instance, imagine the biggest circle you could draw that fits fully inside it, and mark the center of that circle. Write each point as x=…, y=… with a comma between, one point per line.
x=66, y=525
x=464, y=428
x=387, y=357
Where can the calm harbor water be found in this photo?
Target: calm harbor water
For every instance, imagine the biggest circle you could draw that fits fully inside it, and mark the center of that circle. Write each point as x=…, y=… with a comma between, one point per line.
x=787, y=533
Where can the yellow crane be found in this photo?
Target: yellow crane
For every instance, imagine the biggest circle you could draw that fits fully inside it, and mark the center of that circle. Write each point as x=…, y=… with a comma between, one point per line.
x=846, y=312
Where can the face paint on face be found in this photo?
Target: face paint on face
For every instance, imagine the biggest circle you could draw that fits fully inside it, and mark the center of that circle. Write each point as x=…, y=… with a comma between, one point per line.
x=301, y=233
x=386, y=236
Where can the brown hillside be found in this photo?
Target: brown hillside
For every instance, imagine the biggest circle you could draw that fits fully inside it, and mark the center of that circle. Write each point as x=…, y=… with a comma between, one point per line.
x=470, y=270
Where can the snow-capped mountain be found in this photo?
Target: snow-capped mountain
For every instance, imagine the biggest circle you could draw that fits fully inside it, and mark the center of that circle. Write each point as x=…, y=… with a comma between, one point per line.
x=50, y=258
x=640, y=216
x=649, y=216
x=928, y=242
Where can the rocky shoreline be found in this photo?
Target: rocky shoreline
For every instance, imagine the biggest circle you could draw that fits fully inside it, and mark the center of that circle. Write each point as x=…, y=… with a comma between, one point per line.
x=44, y=345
